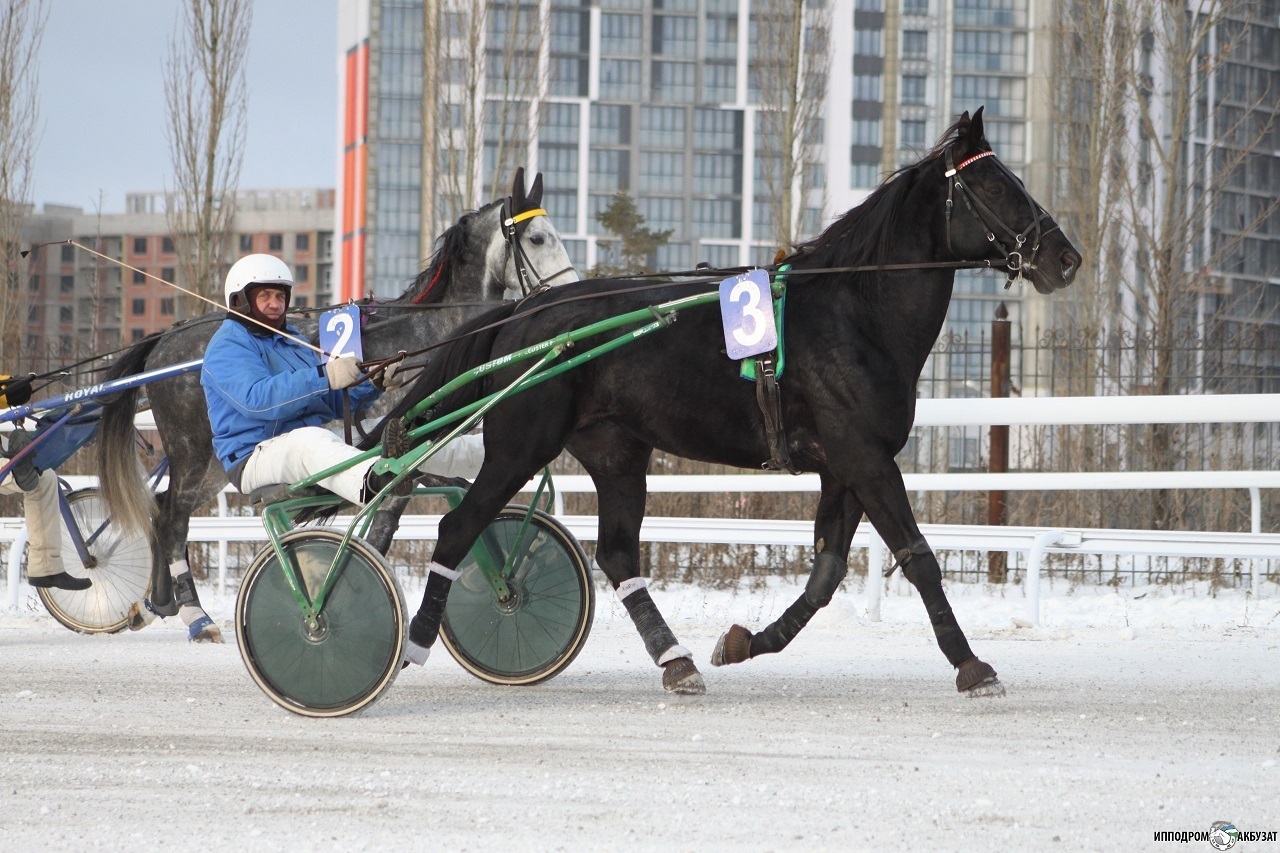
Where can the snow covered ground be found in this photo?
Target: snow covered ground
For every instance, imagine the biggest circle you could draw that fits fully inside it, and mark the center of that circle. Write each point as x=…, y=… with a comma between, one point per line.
x=1129, y=712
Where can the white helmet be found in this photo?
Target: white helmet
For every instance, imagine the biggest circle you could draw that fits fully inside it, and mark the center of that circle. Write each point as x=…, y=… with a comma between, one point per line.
x=256, y=269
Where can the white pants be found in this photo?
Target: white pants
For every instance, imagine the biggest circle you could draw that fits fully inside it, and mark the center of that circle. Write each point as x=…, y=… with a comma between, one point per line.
x=44, y=524
x=305, y=451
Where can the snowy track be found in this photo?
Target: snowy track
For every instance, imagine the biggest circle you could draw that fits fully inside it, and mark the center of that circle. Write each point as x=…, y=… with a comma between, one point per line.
x=854, y=738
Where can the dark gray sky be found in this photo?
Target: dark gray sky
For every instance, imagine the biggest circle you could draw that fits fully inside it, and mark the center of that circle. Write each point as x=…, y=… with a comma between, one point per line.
x=102, y=112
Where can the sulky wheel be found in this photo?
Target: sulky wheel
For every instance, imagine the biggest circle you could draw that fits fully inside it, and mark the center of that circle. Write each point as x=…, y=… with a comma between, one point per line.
x=120, y=568
x=344, y=660
x=538, y=632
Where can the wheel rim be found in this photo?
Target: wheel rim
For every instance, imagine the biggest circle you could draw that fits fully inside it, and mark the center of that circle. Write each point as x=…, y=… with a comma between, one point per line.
x=121, y=574
x=539, y=626
x=343, y=659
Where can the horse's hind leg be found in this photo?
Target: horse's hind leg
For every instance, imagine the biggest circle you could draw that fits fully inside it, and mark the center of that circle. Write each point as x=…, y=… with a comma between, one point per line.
x=617, y=464
x=838, y=514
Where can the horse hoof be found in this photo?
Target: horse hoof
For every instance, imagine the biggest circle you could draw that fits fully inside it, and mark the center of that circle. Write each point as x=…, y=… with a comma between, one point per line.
x=734, y=646
x=204, y=630
x=977, y=679
x=141, y=615
x=680, y=676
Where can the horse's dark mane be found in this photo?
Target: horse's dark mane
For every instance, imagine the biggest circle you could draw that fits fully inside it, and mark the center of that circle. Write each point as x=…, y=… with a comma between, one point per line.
x=863, y=236
x=452, y=249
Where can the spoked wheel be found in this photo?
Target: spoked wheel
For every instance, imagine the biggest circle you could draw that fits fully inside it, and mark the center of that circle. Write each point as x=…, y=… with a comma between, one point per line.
x=120, y=568
x=344, y=660
x=540, y=630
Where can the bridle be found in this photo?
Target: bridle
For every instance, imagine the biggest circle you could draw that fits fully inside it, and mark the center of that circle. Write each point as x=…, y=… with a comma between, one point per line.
x=526, y=271
x=1011, y=242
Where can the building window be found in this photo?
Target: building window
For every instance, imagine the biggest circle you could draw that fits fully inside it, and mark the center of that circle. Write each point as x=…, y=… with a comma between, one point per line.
x=868, y=43
x=913, y=88
x=912, y=134
x=139, y=245
x=619, y=80
x=246, y=242
x=302, y=243
x=67, y=283
x=65, y=314
x=138, y=307
x=866, y=132
x=136, y=335
x=68, y=254
x=139, y=277
x=915, y=44
x=166, y=306
x=34, y=284
x=275, y=242
x=302, y=273
x=166, y=245
x=915, y=7
x=300, y=302
x=621, y=35
x=167, y=274
x=33, y=314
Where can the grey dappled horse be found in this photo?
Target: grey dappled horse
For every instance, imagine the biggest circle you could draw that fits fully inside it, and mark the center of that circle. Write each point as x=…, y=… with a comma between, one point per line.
x=481, y=260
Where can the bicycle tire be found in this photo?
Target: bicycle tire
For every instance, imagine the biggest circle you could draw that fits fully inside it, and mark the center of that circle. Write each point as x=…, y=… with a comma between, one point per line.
x=121, y=573
x=353, y=654
x=537, y=634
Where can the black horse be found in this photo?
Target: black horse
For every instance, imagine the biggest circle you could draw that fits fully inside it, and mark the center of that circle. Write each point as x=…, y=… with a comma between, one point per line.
x=482, y=259
x=866, y=301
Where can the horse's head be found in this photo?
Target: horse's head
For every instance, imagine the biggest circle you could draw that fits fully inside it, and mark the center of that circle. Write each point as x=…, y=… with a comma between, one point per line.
x=528, y=253
x=993, y=218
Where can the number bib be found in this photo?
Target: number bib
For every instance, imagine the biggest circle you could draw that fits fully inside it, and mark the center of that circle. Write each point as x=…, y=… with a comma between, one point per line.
x=340, y=333
x=746, y=309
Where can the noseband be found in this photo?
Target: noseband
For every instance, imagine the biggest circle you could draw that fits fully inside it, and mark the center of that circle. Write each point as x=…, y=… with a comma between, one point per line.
x=1010, y=245
x=526, y=271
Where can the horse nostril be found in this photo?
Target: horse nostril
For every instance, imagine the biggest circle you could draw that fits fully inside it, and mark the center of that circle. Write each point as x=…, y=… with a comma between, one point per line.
x=1070, y=263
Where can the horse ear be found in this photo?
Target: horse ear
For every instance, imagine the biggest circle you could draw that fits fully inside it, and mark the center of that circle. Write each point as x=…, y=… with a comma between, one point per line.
x=517, y=190
x=535, y=194
x=976, y=132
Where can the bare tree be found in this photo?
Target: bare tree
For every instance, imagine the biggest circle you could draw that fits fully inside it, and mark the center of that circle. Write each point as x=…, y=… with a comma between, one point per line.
x=21, y=31
x=484, y=70
x=207, y=97
x=790, y=59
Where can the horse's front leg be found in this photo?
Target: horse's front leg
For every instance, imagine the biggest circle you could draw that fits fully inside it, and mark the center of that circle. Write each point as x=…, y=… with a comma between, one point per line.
x=879, y=486
x=616, y=462
x=838, y=514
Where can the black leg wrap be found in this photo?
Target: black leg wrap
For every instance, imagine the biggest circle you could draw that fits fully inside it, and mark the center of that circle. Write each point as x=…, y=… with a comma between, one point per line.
x=926, y=576
x=824, y=580
x=776, y=637
x=425, y=625
x=649, y=622
x=184, y=590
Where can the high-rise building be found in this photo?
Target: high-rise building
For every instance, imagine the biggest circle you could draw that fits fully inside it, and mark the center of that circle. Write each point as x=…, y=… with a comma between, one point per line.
x=661, y=99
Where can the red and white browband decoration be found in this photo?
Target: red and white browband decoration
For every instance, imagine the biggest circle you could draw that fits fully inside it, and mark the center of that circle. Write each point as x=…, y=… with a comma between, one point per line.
x=969, y=160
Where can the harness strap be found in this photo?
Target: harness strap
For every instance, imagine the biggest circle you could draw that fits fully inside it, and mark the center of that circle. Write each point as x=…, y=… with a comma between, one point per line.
x=769, y=399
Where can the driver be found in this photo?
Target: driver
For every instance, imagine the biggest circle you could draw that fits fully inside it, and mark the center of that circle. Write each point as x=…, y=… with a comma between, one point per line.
x=269, y=396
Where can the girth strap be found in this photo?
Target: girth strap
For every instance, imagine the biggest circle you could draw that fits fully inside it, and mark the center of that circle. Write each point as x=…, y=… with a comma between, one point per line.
x=769, y=398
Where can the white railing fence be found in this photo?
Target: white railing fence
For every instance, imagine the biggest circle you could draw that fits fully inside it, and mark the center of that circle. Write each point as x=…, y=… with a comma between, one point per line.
x=1256, y=547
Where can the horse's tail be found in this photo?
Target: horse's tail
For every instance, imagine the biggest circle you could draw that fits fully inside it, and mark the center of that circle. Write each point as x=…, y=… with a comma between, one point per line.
x=120, y=476
x=471, y=347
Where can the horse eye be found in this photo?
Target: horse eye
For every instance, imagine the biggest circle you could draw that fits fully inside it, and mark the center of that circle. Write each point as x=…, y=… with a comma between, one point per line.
x=996, y=189
x=537, y=239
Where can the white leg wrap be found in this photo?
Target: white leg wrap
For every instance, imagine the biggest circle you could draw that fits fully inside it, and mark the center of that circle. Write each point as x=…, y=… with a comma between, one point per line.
x=673, y=653
x=461, y=457
x=414, y=653
x=443, y=571
x=629, y=586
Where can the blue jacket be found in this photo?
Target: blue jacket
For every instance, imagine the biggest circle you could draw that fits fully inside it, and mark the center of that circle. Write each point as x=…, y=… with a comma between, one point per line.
x=259, y=385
